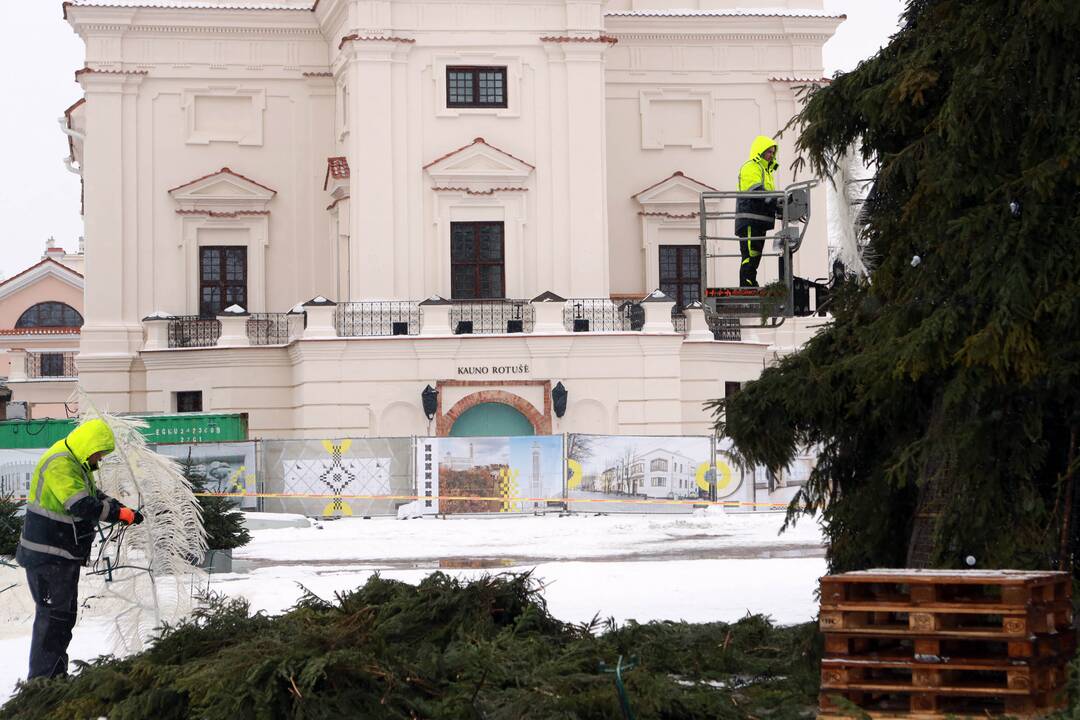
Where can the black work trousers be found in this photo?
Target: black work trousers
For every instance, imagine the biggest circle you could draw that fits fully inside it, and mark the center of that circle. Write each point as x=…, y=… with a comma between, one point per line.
x=750, y=250
x=55, y=589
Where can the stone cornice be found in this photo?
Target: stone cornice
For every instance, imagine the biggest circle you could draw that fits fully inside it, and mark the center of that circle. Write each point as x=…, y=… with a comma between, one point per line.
x=719, y=36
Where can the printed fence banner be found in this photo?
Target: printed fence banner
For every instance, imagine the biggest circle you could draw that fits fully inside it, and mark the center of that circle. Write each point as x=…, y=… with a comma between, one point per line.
x=16, y=469
x=641, y=473
x=351, y=476
x=228, y=467
x=520, y=473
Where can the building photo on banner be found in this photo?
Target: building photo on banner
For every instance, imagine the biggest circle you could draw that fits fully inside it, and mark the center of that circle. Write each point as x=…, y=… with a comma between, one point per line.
x=640, y=473
x=489, y=474
x=219, y=467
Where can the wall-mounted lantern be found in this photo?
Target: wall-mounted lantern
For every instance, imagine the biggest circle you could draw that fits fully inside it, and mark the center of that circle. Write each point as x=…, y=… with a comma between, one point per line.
x=430, y=399
x=558, y=399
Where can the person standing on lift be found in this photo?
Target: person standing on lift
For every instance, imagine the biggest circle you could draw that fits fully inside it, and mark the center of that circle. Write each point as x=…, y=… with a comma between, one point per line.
x=756, y=216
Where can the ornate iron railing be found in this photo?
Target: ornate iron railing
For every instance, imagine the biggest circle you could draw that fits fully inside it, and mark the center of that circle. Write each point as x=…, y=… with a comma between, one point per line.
x=724, y=328
x=386, y=317
x=678, y=319
x=191, y=331
x=51, y=365
x=268, y=328
x=599, y=315
x=490, y=317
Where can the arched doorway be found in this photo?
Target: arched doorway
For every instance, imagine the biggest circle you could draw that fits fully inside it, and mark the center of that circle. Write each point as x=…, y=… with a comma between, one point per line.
x=491, y=418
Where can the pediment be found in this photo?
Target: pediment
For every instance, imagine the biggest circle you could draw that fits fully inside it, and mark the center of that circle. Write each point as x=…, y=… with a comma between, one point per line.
x=479, y=162
x=47, y=268
x=675, y=190
x=223, y=189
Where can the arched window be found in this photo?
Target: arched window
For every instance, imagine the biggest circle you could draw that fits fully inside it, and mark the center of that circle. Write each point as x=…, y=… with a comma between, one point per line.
x=50, y=314
x=658, y=465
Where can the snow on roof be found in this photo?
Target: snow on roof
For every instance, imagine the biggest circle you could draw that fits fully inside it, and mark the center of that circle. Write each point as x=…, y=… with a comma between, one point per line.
x=198, y=4
x=734, y=12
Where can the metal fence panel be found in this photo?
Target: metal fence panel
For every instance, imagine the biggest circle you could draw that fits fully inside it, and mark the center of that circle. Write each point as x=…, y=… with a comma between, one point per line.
x=351, y=476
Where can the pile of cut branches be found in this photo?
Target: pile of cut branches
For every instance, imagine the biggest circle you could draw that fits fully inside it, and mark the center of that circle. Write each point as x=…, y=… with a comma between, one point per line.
x=486, y=649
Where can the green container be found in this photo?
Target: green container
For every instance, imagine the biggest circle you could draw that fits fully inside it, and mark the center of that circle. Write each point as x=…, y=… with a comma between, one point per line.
x=161, y=429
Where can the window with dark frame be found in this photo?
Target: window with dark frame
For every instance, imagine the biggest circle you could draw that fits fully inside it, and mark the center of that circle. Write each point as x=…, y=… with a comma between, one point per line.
x=680, y=273
x=477, y=269
x=50, y=314
x=476, y=87
x=222, y=279
x=188, y=401
x=52, y=364
x=732, y=388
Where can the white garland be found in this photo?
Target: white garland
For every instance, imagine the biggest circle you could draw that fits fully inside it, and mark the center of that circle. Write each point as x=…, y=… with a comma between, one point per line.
x=156, y=576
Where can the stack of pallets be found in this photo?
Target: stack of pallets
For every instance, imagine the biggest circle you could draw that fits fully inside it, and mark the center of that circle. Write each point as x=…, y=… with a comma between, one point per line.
x=936, y=643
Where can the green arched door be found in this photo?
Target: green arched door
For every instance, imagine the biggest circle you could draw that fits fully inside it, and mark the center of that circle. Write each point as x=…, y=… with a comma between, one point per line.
x=491, y=418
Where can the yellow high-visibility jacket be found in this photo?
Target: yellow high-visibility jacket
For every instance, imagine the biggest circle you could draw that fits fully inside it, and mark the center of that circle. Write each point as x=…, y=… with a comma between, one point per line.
x=64, y=507
x=757, y=174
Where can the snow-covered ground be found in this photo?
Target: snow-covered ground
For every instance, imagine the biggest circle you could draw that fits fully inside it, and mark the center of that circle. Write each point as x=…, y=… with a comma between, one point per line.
x=697, y=568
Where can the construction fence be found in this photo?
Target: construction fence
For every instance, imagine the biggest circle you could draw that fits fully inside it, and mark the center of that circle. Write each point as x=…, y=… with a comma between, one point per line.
x=420, y=476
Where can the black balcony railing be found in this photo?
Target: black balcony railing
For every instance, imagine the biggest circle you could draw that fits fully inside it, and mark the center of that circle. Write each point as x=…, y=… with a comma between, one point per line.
x=54, y=365
x=724, y=328
x=490, y=317
x=387, y=317
x=678, y=319
x=599, y=315
x=268, y=328
x=192, y=331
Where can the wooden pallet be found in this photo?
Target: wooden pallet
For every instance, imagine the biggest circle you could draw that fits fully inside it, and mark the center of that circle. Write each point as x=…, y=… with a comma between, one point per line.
x=929, y=647
x=1009, y=588
x=941, y=703
x=931, y=644
x=950, y=676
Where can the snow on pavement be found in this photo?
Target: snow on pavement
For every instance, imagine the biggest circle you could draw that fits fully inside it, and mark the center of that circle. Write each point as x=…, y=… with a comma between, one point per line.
x=697, y=568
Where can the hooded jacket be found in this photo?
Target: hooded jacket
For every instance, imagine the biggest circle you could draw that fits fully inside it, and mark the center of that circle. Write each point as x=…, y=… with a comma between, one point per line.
x=757, y=174
x=64, y=507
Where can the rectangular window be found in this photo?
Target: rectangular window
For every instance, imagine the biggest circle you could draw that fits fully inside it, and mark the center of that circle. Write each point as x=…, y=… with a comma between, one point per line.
x=480, y=87
x=222, y=279
x=731, y=388
x=52, y=365
x=680, y=273
x=189, y=401
x=476, y=261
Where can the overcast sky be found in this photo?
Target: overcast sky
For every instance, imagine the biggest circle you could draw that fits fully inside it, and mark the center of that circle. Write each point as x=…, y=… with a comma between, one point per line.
x=39, y=54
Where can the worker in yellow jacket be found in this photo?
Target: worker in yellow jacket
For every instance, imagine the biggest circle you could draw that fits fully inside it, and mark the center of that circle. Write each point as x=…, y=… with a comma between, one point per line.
x=755, y=217
x=63, y=510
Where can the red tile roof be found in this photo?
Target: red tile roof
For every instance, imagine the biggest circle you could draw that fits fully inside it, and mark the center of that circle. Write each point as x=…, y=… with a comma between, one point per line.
x=41, y=331
x=577, y=39
x=97, y=71
x=163, y=4
x=677, y=173
x=373, y=38
x=825, y=81
x=337, y=168
x=470, y=191
x=731, y=12
x=223, y=213
x=227, y=171
x=475, y=141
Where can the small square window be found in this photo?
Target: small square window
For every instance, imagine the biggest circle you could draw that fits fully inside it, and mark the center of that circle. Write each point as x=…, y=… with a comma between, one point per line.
x=479, y=87
x=189, y=401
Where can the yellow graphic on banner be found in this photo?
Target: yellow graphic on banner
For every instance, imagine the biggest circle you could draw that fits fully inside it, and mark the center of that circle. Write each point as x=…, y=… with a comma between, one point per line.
x=723, y=475
x=337, y=477
x=575, y=474
x=508, y=488
x=238, y=480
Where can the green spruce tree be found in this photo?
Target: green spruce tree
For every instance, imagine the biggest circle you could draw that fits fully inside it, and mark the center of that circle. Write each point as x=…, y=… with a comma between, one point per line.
x=224, y=524
x=10, y=525
x=945, y=395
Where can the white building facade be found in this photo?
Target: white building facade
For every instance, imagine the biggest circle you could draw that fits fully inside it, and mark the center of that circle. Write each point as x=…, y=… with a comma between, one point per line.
x=440, y=192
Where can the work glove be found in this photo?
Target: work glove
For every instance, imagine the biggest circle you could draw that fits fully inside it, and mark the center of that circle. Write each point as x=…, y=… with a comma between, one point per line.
x=131, y=517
